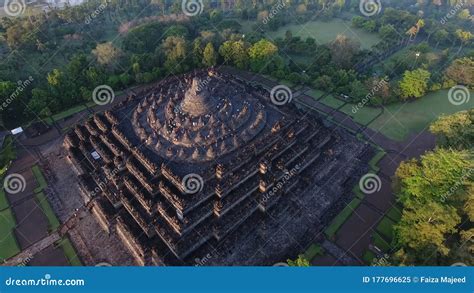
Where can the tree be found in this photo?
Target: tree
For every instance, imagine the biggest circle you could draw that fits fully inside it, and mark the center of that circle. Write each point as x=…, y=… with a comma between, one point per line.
x=107, y=54
x=301, y=261
x=235, y=52
x=461, y=71
x=343, y=49
x=209, y=56
x=261, y=53
x=414, y=83
x=436, y=192
x=424, y=226
x=456, y=130
x=175, y=49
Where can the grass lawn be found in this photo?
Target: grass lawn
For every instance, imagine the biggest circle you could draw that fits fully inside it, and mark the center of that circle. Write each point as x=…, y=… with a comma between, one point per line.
x=7, y=154
x=39, y=178
x=368, y=257
x=316, y=93
x=69, y=112
x=332, y=102
x=3, y=200
x=8, y=245
x=395, y=213
x=363, y=115
x=340, y=219
x=401, y=119
x=375, y=160
x=48, y=211
x=323, y=31
x=70, y=252
x=380, y=242
x=313, y=251
x=385, y=228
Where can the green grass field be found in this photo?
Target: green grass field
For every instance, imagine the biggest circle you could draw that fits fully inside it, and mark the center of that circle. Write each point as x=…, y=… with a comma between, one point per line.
x=385, y=228
x=363, y=115
x=3, y=200
x=323, y=32
x=48, y=211
x=332, y=102
x=401, y=119
x=341, y=218
x=8, y=245
x=316, y=93
x=70, y=252
x=39, y=178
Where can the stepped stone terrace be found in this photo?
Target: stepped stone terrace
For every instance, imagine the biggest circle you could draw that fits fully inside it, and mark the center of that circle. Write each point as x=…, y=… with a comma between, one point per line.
x=203, y=169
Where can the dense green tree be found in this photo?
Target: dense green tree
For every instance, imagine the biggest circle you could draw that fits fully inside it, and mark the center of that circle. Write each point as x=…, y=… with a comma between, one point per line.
x=414, y=84
x=209, y=56
x=456, y=130
x=261, y=53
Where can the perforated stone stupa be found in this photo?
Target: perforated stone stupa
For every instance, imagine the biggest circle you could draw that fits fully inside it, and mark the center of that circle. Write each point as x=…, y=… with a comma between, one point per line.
x=198, y=162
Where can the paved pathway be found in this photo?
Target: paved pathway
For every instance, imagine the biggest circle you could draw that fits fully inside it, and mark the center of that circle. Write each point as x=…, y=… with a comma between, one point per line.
x=27, y=254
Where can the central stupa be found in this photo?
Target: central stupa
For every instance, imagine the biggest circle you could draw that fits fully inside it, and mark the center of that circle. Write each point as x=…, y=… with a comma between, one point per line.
x=197, y=100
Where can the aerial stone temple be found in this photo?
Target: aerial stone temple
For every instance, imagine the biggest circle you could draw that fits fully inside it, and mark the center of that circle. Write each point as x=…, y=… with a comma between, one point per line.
x=195, y=160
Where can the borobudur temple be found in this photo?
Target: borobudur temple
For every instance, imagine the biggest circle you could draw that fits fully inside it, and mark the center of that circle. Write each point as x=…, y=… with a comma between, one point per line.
x=204, y=169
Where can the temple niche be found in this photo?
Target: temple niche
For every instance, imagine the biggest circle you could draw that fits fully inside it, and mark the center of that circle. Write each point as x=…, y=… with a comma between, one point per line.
x=196, y=160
